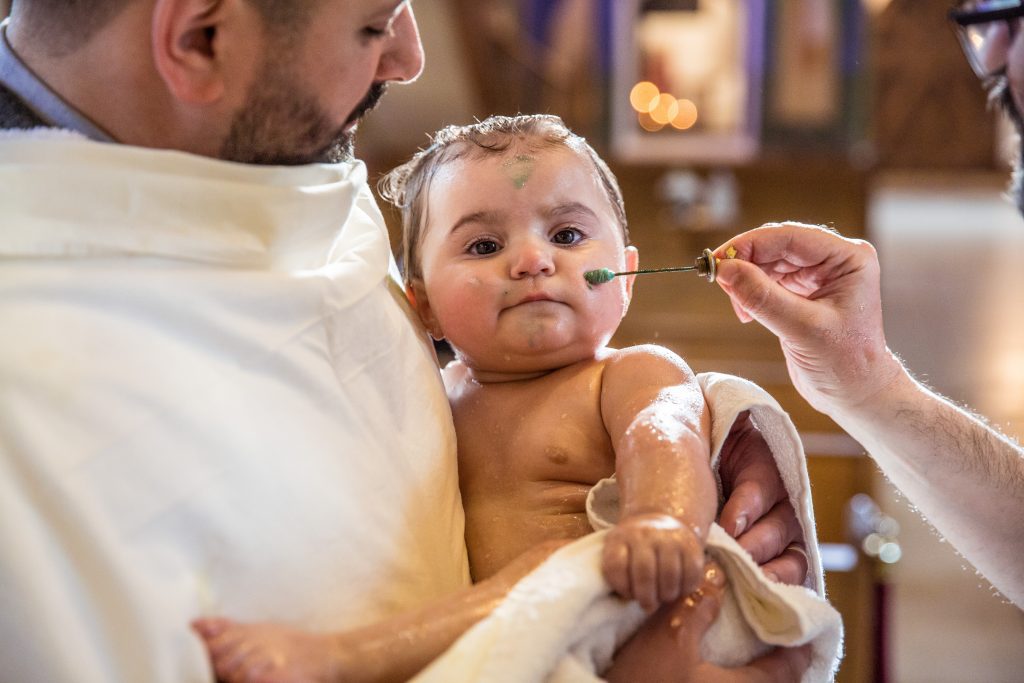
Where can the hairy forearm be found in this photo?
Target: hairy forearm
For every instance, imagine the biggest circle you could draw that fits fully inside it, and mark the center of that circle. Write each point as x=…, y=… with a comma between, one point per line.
x=966, y=478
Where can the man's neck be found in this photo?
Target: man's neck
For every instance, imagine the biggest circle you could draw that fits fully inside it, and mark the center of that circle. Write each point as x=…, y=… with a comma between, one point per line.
x=110, y=83
x=30, y=102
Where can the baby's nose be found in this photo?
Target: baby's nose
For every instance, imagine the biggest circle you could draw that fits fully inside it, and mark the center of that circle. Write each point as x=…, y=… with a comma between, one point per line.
x=533, y=259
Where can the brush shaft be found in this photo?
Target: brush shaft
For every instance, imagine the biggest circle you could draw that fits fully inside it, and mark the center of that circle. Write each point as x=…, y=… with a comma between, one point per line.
x=658, y=270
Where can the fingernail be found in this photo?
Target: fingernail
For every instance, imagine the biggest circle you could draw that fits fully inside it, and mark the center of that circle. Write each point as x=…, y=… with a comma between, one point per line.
x=741, y=526
x=714, y=576
x=772, y=576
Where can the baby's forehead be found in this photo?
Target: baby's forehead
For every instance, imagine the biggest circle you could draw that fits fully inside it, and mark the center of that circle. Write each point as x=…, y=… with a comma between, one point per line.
x=504, y=147
x=519, y=161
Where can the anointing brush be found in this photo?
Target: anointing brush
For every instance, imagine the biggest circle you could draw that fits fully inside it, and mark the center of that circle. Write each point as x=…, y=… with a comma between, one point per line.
x=704, y=265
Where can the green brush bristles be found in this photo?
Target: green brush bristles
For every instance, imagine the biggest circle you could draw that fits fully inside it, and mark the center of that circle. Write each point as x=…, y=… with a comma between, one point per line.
x=599, y=276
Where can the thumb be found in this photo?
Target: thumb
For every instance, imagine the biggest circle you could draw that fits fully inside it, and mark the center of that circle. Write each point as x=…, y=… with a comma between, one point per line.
x=760, y=298
x=699, y=609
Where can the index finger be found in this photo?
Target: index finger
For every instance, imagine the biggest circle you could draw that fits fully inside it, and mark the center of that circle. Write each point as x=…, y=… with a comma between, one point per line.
x=799, y=244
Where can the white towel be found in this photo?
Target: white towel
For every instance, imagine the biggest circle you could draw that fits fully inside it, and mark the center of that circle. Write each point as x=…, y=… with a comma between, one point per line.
x=562, y=624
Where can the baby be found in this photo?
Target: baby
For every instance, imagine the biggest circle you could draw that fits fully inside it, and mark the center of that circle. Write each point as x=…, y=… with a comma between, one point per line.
x=502, y=219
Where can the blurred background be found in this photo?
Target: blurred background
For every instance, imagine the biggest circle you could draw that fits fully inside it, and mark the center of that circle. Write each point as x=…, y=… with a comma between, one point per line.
x=720, y=115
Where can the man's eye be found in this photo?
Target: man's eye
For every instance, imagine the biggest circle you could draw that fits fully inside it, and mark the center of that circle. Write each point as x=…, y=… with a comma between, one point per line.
x=567, y=236
x=483, y=247
x=374, y=32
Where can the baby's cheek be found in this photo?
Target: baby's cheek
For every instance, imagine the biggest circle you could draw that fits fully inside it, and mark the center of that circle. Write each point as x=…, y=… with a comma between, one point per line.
x=465, y=313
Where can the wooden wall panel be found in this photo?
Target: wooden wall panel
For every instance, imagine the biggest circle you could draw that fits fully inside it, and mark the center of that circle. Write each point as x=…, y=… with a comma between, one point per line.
x=930, y=109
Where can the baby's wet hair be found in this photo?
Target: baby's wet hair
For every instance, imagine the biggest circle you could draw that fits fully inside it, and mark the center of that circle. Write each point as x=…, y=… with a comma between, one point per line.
x=407, y=186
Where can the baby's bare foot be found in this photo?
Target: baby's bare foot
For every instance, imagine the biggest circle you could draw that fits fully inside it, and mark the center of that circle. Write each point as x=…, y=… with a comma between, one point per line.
x=267, y=653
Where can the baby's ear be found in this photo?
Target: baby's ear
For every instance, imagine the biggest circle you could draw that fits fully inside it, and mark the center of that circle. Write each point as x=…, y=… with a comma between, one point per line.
x=417, y=295
x=632, y=263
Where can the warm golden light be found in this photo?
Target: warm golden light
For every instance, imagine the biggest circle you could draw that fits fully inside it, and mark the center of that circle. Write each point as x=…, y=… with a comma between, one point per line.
x=686, y=116
x=643, y=96
x=665, y=109
x=647, y=123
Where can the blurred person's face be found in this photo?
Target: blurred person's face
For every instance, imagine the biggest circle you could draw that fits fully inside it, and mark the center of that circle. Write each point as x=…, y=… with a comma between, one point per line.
x=990, y=33
x=313, y=88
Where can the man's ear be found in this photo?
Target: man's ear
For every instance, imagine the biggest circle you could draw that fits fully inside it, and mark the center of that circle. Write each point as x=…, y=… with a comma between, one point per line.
x=189, y=44
x=632, y=263
x=417, y=295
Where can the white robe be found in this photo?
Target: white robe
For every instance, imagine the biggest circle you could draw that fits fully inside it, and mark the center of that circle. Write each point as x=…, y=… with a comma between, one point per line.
x=212, y=401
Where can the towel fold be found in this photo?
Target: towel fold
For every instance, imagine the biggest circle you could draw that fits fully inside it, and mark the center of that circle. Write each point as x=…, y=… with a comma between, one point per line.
x=562, y=624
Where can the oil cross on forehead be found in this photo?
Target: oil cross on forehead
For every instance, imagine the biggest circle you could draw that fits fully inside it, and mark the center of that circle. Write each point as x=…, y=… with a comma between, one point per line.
x=519, y=168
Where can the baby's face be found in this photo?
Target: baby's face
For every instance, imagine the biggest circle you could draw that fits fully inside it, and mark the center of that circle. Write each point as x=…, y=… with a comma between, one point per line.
x=506, y=244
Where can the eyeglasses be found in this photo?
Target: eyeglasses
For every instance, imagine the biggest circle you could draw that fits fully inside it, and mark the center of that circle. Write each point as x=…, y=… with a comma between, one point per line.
x=986, y=29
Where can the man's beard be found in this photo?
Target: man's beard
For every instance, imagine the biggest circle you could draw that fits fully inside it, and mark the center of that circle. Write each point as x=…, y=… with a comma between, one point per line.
x=1001, y=93
x=280, y=124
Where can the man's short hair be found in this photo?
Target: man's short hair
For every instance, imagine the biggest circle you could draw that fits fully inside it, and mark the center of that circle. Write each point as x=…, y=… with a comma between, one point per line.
x=408, y=185
x=67, y=25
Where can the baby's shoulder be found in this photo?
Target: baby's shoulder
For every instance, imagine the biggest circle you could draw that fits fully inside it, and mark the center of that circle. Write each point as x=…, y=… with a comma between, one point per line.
x=455, y=375
x=645, y=365
x=642, y=355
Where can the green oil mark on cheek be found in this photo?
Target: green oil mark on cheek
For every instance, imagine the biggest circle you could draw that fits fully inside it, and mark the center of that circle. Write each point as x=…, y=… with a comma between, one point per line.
x=518, y=169
x=599, y=276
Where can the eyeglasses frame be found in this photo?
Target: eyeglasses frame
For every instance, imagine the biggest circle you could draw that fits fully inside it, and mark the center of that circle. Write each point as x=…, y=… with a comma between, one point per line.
x=969, y=17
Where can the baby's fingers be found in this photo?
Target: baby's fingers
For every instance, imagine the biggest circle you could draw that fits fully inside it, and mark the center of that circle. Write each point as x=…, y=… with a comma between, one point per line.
x=643, y=575
x=670, y=574
x=615, y=566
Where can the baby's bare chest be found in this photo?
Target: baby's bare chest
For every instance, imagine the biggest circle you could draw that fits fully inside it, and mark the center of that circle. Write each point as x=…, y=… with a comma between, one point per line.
x=529, y=435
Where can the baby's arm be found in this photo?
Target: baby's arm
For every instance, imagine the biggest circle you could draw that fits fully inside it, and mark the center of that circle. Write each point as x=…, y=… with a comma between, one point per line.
x=659, y=425
x=391, y=650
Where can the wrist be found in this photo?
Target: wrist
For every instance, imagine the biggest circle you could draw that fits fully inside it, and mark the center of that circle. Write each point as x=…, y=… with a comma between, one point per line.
x=662, y=520
x=882, y=374
x=893, y=386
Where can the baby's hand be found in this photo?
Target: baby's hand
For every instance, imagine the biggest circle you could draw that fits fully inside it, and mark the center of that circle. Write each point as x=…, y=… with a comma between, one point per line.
x=653, y=559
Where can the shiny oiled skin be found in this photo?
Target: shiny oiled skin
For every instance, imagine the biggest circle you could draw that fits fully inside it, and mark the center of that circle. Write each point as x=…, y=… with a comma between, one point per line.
x=529, y=452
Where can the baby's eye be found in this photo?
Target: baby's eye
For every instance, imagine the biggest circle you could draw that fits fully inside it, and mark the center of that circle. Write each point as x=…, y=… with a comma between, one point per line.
x=483, y=247
x=567, y=236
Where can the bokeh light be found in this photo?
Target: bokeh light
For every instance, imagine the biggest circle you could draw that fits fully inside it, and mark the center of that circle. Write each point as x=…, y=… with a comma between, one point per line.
x=643, y=96
x=686, y=116
x=665, y=109
x=648, y=123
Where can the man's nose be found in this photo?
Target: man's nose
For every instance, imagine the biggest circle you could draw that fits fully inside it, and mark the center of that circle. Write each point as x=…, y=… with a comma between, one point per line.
x=402, y=58
x=533, y=257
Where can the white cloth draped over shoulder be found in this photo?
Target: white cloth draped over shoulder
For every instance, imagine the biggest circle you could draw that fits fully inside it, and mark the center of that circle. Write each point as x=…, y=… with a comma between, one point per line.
x=212, y=401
